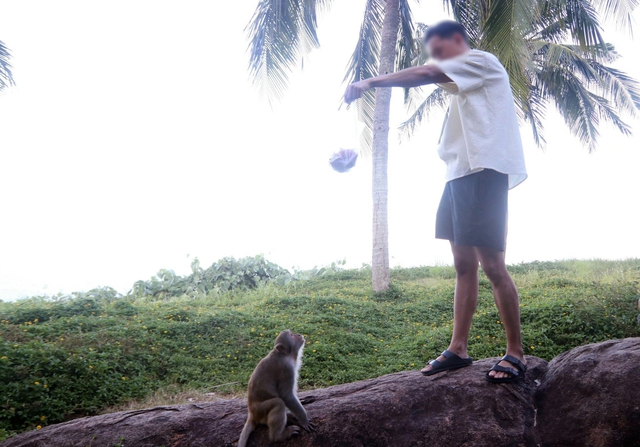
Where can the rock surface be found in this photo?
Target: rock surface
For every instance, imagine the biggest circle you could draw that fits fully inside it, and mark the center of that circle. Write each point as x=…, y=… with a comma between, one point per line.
x=455, y=408
x=589, y=396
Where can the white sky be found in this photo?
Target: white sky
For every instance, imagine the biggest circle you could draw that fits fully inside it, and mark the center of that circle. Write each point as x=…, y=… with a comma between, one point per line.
x=134, y=140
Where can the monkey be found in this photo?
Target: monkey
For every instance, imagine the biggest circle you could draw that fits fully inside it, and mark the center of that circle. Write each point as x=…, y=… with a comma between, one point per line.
x=273, y=389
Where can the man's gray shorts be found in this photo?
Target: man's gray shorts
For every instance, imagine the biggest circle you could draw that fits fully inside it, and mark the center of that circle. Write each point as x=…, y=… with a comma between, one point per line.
x=473, y=210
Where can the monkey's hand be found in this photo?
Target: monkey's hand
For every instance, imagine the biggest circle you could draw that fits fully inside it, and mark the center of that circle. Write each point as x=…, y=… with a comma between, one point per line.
x=309, y=399
x=309, y=426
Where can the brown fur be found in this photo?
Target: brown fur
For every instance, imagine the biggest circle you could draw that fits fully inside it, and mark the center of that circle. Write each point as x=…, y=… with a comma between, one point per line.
x=273, y=389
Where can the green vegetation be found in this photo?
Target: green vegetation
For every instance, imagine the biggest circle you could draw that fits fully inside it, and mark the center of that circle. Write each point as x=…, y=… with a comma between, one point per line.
x=70, y=356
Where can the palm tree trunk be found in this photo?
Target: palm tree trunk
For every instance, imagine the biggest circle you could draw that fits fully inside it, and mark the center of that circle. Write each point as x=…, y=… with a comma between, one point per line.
x=380, y=262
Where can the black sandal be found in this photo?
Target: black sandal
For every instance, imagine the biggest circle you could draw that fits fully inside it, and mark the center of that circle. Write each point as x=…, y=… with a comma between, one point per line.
x=515, y=373
x=452, y=361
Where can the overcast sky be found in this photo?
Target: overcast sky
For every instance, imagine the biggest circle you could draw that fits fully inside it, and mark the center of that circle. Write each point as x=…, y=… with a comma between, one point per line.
x=134, y=141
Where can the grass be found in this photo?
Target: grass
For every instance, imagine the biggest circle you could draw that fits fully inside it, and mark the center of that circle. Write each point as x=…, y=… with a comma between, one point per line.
x=64, y=359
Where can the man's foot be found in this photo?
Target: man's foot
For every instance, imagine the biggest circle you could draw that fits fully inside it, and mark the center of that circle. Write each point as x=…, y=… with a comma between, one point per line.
x=509, y=369
x=448, y=360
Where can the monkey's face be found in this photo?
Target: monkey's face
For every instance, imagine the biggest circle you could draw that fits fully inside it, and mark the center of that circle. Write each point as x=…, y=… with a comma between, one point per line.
x=288, y=342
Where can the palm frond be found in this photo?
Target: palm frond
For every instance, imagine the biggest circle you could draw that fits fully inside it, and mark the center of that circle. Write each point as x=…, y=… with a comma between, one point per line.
x=616, y=86
x=584, y=89
x=436, y=100
x=608, y=113
x=578, y=17
x=622, y=90
x=364, y=64
x=6, y=75
x=420, y=55
x=469, y=13
x=576, y=106
x=503, y=34
x=568, y=56
x=534, y=113
x=409, y=50
x=406, y=47
x=280, y=33
x=618, y=11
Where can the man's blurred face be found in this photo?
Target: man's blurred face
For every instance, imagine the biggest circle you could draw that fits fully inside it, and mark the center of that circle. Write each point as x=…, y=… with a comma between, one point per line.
x=441, y=48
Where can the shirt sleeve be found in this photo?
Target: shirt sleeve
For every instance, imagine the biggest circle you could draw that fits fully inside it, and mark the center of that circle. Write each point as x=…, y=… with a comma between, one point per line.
x=467, y=72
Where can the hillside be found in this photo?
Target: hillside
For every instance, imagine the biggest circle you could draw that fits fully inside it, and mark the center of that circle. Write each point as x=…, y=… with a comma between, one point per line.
x=62, y=358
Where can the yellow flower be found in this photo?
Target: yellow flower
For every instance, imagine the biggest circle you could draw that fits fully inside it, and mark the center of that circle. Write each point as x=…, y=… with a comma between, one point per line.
x=44, y=386
x=38, y=427
x=36, y=383
x=3, y=357
x=42, y=418
x=124, y=378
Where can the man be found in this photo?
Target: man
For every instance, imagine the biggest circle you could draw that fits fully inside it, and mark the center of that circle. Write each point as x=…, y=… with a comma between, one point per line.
x=480, y=144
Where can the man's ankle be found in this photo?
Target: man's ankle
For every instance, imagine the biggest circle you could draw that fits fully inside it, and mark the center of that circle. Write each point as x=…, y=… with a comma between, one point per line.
x=517, y=353
x=458, y=348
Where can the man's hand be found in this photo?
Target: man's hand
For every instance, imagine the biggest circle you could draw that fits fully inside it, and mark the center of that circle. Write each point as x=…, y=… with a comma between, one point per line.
x=356, y=90
x=407, y=78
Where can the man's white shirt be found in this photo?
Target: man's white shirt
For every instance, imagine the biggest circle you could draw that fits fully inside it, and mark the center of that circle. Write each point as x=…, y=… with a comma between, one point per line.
x=481, y=130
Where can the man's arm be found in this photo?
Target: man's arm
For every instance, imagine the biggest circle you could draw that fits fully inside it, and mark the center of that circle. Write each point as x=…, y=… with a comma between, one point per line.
x=409, y=77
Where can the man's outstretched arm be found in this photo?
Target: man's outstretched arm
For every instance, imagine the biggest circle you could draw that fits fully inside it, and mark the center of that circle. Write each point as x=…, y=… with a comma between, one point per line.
x=409, y=77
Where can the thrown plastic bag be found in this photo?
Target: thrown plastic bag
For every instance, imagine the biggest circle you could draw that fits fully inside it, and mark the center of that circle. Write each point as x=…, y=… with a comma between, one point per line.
x=343, y=160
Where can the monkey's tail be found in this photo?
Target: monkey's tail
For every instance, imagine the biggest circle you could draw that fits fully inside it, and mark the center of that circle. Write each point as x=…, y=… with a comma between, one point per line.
x=249, y=426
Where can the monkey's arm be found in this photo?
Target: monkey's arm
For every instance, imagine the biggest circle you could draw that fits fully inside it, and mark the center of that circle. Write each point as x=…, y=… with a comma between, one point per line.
x=296, y=408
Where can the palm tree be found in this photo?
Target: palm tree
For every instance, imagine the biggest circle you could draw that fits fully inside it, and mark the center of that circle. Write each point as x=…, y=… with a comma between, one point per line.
x=6, y=77
x=553, y=51
x=283, y=31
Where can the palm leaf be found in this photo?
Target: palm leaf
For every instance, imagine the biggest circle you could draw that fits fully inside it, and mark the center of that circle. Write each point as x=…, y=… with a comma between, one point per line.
x=364, y=64
x=436, y=100
x=607, y=112
x=574, y=102
x=619, y=11
x=468, y=13
x=534, y=114
x=623, y=91
x=615, y=85
x=280, y=33
x=503, y=34
x=577, y=17
x=408, y=49
x=6, y=75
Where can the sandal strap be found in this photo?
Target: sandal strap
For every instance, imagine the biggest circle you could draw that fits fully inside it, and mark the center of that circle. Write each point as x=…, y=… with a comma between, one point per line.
x=505, y=369
x=448, y=354
x=435, y=363
x=514, y=361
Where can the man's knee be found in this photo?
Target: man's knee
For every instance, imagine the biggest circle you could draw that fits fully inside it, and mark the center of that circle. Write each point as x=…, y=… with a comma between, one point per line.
x=465, y=267
x=495, y=271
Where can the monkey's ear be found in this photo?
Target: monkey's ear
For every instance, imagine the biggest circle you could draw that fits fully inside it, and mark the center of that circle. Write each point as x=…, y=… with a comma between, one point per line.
x=280, y=348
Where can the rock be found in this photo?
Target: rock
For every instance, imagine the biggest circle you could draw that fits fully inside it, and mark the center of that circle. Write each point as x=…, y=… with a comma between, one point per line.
x=591, y=396
x=455, y=408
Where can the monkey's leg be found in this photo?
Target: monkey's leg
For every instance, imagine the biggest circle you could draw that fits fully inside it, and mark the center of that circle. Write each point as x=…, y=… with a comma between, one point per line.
x=277, y=420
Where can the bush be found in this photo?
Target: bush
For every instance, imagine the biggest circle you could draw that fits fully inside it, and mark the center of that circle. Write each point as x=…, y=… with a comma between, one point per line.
x=77, y=355
x=225, y=275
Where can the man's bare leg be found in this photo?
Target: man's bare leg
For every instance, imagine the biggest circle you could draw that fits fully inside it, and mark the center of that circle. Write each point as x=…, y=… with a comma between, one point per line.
x=505, y=295
x=465, y=299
